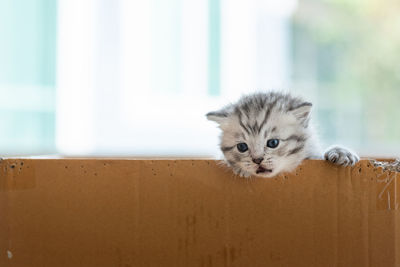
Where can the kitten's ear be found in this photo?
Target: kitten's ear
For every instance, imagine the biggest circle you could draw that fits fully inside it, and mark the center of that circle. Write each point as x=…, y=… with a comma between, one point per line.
x=302, y=112
x=219, y=116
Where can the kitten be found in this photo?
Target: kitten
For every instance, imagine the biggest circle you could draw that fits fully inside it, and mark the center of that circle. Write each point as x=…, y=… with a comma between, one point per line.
x=264, y=134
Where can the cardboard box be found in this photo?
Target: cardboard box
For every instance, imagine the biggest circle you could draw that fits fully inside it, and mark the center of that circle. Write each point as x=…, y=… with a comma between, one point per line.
x=124, y=212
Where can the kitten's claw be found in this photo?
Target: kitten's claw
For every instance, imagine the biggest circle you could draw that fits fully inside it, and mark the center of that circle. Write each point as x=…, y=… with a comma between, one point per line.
x=341, y=156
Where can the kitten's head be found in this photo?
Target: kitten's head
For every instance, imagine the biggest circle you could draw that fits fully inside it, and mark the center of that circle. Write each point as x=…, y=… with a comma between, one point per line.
x=264, y=134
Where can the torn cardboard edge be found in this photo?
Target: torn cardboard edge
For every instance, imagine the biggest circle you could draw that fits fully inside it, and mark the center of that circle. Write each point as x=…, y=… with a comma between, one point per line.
x=391, y=165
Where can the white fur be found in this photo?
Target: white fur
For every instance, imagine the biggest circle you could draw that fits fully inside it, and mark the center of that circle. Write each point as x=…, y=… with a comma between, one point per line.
x=287, y=120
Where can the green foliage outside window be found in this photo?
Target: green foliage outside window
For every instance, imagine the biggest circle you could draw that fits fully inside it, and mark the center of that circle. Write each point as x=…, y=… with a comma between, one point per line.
x=349, y=51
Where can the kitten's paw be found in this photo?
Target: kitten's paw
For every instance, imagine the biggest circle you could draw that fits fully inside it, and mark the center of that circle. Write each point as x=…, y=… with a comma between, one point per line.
x=341, y=156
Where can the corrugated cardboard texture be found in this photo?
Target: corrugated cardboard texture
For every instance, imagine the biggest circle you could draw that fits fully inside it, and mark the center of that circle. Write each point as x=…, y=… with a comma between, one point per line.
x=76, y=212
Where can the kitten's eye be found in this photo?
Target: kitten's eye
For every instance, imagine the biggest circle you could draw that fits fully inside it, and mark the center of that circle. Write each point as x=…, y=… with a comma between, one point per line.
x=272, y=143
x=242, y=147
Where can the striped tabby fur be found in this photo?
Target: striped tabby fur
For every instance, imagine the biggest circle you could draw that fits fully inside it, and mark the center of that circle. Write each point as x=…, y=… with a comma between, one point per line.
x=260, y=117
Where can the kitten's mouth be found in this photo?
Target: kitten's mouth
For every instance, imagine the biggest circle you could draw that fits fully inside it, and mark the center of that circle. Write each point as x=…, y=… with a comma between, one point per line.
x=261, y=169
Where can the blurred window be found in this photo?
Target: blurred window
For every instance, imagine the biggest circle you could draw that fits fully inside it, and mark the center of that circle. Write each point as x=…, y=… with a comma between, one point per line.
x=153, y=69
x=346, y=56
x=27, y=76
x=136, y=77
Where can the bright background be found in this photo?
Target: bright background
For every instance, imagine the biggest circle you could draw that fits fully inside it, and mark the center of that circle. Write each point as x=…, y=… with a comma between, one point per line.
x=134, y=77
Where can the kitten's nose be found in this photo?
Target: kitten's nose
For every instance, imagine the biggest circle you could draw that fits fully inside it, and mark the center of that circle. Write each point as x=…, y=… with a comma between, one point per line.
x=258, y=160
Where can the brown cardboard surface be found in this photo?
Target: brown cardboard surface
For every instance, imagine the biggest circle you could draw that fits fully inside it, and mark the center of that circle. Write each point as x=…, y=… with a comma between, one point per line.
x=104, y=212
